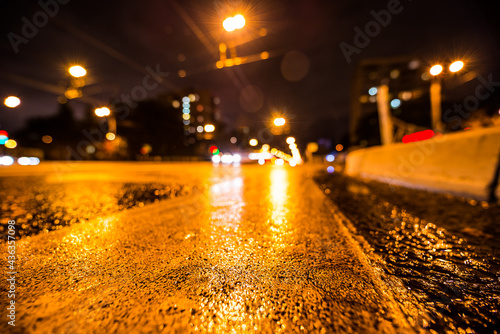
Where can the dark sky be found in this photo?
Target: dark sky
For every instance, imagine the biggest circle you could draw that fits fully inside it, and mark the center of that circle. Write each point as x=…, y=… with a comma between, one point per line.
x=117, y=40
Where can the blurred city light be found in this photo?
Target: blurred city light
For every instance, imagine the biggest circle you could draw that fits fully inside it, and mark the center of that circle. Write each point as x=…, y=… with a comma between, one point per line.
x=216, y=159
x=279, y=162
x=4, y=136
x=236, y=158
x=227, y=159
x=330, y=158
x=339, y=147
x=214, y=150
x=47, y=139
x=290, y=140
x=280, y=121
x=253, y=142
x=456, y=66
x=233, y=140
x=436, y=69
x=77, y=71
x=330, y=169
x=233, y=23
x=396, y=103
x=6, y=160
x=12, y=101
x=209, y=128
x=110, y=136
x=102, y=112
x=11, y=143
x=24, y=161
x=373, y=91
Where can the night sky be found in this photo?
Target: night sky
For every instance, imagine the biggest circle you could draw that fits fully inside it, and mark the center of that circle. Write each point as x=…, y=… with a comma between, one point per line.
x=117, y=40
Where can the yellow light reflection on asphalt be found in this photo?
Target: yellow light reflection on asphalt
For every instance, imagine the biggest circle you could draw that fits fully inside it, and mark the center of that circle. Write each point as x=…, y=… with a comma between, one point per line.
x=278, y=198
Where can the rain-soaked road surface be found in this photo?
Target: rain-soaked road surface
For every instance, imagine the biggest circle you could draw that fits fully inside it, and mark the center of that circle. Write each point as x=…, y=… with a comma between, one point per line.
x=254, y=248
x=444, y=249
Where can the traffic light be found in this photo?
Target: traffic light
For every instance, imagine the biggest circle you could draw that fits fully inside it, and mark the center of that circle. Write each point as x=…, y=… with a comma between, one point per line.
x=214, y=150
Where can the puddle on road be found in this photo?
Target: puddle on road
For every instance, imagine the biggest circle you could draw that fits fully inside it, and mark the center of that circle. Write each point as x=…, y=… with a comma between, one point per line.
x=455, y=276
x=40, y=207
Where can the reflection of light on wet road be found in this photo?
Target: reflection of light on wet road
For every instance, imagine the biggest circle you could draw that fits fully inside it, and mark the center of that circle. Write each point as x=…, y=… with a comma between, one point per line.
x=278, y=198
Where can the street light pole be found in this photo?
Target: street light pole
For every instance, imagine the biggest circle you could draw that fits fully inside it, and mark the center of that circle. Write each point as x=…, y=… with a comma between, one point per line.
x=435, y=93
x=384, y=115
x=436, y=112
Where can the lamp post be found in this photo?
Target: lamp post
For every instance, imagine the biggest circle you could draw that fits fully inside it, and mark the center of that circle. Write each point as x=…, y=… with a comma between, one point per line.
x=105, y=112
x=230, y=24
x=435, y=92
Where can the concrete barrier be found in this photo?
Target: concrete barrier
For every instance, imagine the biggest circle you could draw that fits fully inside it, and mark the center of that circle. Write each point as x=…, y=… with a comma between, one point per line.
x=463, y=163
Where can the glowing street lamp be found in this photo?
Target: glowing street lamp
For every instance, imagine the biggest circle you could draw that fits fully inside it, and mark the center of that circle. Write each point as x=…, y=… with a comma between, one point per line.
x=456, y=66
x=279, y=121
x=105, y=112
x=12, y=101
x=435, y=92
x=233, y=23
x=102, y=112
x=436, y=70
x=77, y=71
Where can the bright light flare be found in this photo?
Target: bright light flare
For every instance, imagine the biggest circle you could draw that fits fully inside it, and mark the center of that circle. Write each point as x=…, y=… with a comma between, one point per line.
x=209, y=128
x=233, y=23
x=456, y=66
x=110, y=136
x=290, y=140
x=102, y=112
x=436, y=69
x=12, y=101
x=253, y=142
x=77, y=71
x=280, y=121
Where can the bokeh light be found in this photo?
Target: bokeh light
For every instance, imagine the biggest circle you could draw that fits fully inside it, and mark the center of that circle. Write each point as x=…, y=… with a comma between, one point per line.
x=47, y=139
x=12, y=101
x=280, y=121
x=456, y=66
x=209, y=128
x=436, y=69
x=373, y=91
x=11, y=143
x=77, y=71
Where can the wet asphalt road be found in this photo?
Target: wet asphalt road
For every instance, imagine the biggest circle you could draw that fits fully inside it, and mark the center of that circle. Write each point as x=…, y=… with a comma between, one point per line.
x=240, y=249
x=443, y=248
